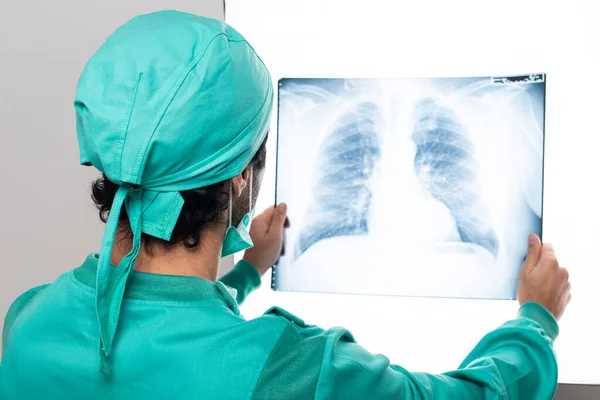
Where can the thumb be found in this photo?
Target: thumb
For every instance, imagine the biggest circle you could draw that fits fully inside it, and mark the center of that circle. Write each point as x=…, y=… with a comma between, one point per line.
x=279, y=218
x=534, y=251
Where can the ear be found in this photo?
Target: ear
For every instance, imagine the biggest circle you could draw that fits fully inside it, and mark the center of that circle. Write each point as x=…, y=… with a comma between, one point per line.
x=239, y=182
x=246, y=174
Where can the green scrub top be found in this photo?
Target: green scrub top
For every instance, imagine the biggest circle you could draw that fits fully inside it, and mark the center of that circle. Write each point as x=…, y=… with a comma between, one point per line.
x=184, y=338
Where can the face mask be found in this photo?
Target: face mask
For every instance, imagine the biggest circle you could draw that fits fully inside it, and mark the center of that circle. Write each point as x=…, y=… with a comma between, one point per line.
x=238, y=239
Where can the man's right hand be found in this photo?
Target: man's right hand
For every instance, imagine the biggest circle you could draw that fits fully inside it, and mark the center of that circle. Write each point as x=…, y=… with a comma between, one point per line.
x=543, y=280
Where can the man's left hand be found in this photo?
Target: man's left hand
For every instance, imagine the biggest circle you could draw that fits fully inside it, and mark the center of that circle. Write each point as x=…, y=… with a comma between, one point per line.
x=267, y=235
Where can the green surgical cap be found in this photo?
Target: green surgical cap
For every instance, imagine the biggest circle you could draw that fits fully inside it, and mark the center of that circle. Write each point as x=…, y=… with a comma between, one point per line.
x=170, y=102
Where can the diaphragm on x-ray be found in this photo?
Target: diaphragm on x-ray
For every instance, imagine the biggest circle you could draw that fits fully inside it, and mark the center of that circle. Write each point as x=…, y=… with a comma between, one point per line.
x=412, y=187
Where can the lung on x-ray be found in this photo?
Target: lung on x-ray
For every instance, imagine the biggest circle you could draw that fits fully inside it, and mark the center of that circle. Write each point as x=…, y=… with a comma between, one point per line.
x=411, y=187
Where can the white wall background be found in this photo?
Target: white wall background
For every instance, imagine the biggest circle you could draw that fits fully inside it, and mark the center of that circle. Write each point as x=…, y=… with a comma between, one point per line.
x=429, y=38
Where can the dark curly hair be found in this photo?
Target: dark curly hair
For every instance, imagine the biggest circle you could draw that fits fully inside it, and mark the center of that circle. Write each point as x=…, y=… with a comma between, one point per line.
x=201, y=207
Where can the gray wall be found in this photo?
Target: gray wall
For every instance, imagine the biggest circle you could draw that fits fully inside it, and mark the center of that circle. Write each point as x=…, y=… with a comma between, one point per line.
x=48, y=222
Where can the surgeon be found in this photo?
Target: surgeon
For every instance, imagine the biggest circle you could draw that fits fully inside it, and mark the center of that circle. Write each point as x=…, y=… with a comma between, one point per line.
x=174, y=110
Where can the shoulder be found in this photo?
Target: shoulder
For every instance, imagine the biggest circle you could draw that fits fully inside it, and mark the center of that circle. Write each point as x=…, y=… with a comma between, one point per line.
x=303, y=331
x=23, y=300
x=17, y=306
x=294, y=365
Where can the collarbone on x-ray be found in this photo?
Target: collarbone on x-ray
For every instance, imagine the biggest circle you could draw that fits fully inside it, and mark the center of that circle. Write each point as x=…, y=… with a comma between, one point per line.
x=436, y=182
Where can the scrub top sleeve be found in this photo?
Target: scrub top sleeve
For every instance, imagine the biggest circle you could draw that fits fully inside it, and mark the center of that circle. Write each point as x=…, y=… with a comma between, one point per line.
x=244, y=278
x=538, y=313
x=514, y=361
x=15, y=309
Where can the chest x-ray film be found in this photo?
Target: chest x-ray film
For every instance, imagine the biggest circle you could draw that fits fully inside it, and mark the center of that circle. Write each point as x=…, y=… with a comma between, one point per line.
x=411, y=187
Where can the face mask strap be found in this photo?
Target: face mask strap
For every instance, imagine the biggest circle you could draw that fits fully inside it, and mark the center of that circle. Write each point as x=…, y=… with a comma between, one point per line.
x=238, y=238
x=250, y=194
x=230, y=202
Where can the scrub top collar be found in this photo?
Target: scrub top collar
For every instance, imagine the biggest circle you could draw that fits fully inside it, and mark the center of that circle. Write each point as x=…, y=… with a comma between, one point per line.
x=156, y=287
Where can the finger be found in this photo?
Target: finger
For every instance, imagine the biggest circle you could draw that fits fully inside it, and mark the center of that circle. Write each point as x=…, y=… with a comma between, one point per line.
x=563, y=273
x=267, y=213
x=286, y=225
x=548, y=257
x=534, y=249
x=568, y=288
x=263, y=219
x=564, y=301
x=278, y=219
x=548, y=251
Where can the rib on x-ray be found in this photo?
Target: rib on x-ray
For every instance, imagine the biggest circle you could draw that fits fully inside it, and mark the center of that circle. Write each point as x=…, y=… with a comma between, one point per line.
x=347, y=158
x=446, y=166
x=419, y=187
